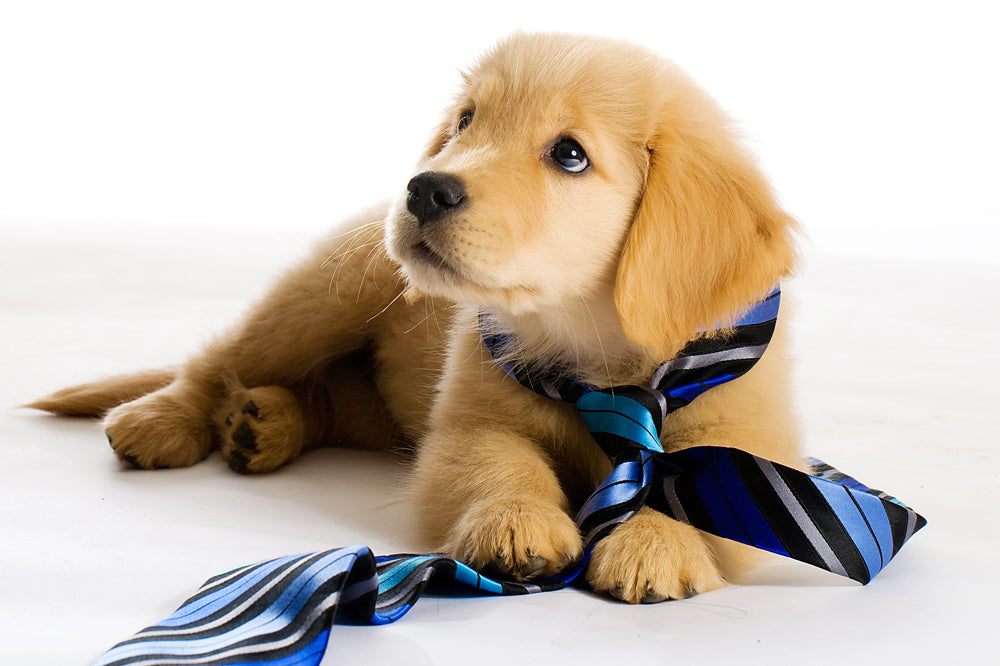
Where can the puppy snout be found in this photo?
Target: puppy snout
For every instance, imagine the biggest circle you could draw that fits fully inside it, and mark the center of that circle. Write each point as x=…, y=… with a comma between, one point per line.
x=431, y=196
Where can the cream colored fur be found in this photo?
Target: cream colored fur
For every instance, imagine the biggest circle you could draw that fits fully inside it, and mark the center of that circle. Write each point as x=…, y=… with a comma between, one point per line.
x=373, y=341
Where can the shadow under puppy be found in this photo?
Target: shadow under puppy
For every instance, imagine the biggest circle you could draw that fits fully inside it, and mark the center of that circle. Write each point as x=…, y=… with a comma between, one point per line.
x=594, y=200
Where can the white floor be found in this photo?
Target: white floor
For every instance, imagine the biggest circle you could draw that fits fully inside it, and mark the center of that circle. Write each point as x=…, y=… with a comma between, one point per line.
x=897, y=386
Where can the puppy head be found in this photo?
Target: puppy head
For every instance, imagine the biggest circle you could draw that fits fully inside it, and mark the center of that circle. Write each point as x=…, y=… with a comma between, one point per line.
x=531, y=181
x=569, y=168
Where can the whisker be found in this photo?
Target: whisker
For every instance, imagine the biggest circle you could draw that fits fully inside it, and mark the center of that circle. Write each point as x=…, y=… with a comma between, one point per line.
x=343, y=259
x=600, y=343
x=357, y=231
x=382, y=311
x=414, y=327
x=437, y=322
x=337, y=257
x=372, y=258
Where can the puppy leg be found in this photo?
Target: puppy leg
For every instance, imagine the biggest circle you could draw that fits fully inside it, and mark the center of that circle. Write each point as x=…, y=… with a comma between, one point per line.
x=263, y=428
x=166, y=428
x=288, y=339
x=651, y=557
x=492, y=498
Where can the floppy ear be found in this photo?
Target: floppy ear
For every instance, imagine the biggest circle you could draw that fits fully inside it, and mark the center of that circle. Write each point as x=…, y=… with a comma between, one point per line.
x=707, y=241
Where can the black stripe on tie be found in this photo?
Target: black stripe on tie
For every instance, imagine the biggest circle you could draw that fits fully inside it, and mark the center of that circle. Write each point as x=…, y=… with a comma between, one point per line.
x=212, y=585
x=595, y=533
x=882, y=558
x=613, y=445
x=365, y=568
x=828, y=523
x=248, y=613
x=778, y=518
x=566, y=386
x=321, y=623
x=644, y=397
x=323, y=591
x=405, y=590
x=652, y=433
x=674, y=403
x=734, y=367
x=748, y=537
x=690, y=500
x=290, y=570
x=898, y=518
x=921, y=521
x=747, y=335
x=610, y=513
x=233, y=574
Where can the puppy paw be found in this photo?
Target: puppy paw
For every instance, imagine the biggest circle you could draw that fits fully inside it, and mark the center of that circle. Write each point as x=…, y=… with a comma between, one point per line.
x=163, y=429
x=519, y=539
x=261, y=429
x=651, y=558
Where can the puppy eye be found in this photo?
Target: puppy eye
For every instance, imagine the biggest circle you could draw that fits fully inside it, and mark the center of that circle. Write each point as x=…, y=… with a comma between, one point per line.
x=568, y=154
x=464, y=120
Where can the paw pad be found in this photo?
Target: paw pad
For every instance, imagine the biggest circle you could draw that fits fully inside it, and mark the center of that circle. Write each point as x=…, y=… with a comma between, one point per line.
x=261, y=429
x=242, y=440
x=245, y=437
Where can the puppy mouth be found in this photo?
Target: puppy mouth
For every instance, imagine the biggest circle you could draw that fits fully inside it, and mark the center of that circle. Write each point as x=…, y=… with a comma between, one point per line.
x=435, y=271
x=426, y=255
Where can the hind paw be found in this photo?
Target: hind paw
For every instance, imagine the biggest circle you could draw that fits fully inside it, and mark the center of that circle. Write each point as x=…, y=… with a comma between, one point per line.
x=261, y=429
x=166, y=428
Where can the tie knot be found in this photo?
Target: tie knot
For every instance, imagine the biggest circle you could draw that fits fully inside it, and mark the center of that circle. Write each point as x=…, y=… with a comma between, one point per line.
x=624, y=417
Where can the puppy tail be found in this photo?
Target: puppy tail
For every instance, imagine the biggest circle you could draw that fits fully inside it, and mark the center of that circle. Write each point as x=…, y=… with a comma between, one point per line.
x=97, y=398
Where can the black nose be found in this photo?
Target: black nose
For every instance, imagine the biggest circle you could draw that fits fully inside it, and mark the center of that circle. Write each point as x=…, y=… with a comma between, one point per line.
x=432, y=195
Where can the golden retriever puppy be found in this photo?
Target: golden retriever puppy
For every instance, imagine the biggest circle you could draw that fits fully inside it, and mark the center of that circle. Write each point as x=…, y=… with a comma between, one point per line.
x=593, y=199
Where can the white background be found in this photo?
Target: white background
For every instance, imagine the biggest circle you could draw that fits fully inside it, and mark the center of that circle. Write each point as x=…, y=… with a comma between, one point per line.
x=877, y=121
x=159, y=161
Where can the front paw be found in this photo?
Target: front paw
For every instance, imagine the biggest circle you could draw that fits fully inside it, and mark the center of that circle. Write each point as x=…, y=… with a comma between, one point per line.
x=517, y=538
x=650, y=558
x=163, y=429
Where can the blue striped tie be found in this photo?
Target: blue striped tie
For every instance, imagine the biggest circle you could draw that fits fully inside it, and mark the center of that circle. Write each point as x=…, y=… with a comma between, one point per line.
x=281, y=611
x=826, y=519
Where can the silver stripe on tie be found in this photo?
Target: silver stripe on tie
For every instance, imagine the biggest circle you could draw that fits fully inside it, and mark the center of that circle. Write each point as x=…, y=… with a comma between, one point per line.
x=661, y=400
x=359, y=589
x=671, y=495
x=214, y=656
x=802, y=518
x=551, y=390
x=293, y=571
x=222, y=580
x=704, y=360
x=614, y=521
x=400, y=591
x=911, y=523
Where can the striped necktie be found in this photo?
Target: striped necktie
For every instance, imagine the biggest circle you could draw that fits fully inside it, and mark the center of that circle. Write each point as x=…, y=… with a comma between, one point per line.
x=826, y=518
x=280, y=612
